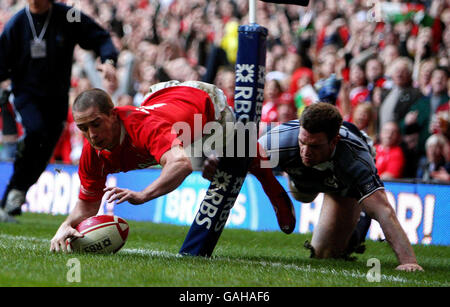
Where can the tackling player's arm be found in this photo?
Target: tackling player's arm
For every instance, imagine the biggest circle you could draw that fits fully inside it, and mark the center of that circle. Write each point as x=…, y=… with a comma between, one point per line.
x=176, y=167
x=82, y=211
x=378, y=207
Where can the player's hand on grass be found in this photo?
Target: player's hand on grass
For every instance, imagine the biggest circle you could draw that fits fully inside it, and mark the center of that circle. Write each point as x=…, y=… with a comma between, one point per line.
x=121, y=195
x=65, y=231
x=409, y=267
x=209, y=167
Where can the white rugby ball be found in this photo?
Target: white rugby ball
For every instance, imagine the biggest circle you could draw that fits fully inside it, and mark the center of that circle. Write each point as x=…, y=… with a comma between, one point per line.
x=103, y=234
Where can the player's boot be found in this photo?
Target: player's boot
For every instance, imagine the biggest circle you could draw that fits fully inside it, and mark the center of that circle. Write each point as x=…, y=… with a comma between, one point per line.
x=14, y=202
x=280, y=200
x=6, y=218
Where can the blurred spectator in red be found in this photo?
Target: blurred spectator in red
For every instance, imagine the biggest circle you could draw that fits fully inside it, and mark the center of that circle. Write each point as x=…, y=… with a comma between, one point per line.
x=292, y=62
x=301, y=77
x=271, y=97
x=390, y=159
x=301, y=88
x=441, y=120
x=286, y=108
x=63, y=148
x=269, y=113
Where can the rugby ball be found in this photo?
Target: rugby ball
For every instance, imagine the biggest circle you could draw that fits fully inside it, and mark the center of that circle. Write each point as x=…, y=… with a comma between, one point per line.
x=103, y=234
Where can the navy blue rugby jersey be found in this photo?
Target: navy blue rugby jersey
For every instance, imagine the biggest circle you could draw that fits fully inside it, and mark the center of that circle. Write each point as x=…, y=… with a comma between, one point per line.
x=350, y=172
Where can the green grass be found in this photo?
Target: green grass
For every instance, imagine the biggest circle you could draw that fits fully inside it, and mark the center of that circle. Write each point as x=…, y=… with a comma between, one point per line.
x=241, y=258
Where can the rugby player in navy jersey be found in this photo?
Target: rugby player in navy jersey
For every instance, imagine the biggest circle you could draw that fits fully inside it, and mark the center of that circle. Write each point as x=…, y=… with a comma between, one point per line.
x=320, y=154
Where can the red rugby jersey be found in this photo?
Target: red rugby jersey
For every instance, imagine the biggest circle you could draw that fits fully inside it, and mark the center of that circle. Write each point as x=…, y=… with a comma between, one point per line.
x=147, y=133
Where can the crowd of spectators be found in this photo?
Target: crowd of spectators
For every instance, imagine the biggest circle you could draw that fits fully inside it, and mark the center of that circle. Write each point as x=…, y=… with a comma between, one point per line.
x=392, y=58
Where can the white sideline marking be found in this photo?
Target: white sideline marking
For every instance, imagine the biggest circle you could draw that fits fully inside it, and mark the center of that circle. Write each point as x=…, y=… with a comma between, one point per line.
x=306, y=269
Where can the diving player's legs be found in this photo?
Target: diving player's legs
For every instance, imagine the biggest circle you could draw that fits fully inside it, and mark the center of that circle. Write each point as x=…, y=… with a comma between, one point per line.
x=337, y=221
x=221, y=108
x=279, y=198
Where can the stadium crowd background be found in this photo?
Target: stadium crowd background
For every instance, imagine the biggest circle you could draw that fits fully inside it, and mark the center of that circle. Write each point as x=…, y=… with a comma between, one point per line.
x=391, y=56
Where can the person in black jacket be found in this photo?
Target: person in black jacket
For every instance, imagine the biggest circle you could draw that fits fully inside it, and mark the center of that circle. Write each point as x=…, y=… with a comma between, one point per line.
x=36, y=54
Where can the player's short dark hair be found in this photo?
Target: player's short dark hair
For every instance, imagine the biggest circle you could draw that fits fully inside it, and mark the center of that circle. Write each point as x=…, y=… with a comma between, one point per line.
x=321, y=117
x=93, y=98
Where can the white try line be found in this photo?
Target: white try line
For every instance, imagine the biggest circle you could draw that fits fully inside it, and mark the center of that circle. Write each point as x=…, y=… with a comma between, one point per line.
x=164, y=254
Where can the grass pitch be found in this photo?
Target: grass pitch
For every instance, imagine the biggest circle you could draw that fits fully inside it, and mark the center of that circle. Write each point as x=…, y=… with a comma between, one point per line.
x=241, y=259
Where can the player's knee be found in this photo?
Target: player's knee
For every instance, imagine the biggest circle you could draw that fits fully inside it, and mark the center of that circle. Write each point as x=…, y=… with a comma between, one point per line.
x=319, y=251
x=304, y=197
x=327, y=253
x=322, y=253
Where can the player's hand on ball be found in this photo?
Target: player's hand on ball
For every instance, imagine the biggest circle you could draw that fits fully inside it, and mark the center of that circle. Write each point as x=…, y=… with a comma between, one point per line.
x=121, y=195
x=65, y=231
x=409, y=267
x=209, y=167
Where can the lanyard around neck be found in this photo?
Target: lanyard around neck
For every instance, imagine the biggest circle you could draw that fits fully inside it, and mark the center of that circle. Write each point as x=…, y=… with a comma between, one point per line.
x=33, y=29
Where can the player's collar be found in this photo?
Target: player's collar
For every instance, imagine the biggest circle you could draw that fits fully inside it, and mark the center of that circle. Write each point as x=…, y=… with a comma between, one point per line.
x=324, y=166
x=327, y=164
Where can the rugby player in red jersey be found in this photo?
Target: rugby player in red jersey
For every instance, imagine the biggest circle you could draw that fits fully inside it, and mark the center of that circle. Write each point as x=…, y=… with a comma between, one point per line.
x=120, y=139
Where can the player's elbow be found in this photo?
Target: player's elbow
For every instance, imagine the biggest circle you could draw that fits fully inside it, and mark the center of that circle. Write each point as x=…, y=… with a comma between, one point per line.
x=177, y=162
x=185, y=166
x=384, y=213
x=378, y=207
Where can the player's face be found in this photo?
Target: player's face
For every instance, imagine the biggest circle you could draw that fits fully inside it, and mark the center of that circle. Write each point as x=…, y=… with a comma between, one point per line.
x=101, y=130
x=315, y=148
x=39, y=6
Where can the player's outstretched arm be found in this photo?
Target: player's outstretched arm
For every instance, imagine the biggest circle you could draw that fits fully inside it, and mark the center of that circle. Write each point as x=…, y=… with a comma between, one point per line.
x=82, y=211
x=176, y=167
x=378, y=207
